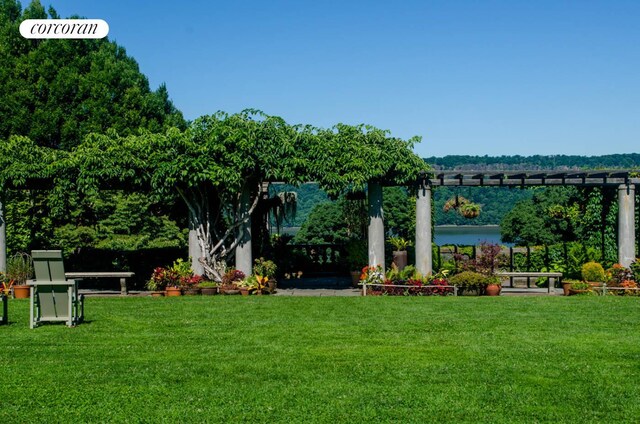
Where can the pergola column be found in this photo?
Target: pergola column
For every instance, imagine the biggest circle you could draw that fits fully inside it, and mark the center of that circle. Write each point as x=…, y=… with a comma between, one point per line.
x=243, y=249
x=3, y=239
x=424, y=254
x=376, y=226
x=626, y=224
x=195, y=251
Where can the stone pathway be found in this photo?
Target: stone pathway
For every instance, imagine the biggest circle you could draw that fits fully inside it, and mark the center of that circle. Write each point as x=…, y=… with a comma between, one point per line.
x=332, y=286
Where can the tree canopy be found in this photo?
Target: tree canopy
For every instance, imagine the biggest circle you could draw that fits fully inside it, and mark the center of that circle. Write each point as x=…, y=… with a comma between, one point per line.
x=221, y=156
x=56, y=91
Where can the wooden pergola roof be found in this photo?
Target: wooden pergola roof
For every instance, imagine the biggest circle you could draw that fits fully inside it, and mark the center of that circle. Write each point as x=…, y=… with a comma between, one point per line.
x=476, y=178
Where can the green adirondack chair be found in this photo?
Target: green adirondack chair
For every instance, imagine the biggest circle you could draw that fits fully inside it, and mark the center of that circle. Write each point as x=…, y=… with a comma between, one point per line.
x=53, y=297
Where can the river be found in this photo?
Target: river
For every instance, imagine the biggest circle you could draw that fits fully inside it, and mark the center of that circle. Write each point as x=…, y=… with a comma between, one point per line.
x=467, y=234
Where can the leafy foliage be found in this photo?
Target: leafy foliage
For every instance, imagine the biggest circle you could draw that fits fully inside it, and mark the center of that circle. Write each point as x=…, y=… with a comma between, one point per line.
x=593, y=271
x=222, y=156
x=56, y=91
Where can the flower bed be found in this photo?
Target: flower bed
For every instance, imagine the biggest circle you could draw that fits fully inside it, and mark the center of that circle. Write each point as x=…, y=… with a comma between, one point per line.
x=437, y=287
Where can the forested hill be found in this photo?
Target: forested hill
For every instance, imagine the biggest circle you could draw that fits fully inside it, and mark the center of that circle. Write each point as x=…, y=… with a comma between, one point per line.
x=496, y=202
x=463, y=162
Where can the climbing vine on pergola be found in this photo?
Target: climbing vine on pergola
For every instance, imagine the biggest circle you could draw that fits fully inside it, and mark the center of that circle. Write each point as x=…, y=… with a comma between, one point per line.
x=218, y=166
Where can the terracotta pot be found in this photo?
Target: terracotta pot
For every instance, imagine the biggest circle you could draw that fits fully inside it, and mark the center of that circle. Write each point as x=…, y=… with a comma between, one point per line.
x=400, y=258
x=192, y=291
x=572, y=292
x=355, y=278
x=209, y=291
x=173, y=291
x=272, y=286
x=244, y=291
x=21, y=292
x=157, y=293
x=493, y=289
x=468, y=291
x=565, y=288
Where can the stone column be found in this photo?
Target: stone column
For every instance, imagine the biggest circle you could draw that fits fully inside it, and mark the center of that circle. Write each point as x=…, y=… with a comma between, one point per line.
x=244, y=261
x=424, y=254
x=626, y=224
x=195, y=252
x=3, y=239
x=376, y=226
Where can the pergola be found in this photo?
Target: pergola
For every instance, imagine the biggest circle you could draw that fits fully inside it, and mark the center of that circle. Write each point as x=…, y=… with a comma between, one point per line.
x=624, y=180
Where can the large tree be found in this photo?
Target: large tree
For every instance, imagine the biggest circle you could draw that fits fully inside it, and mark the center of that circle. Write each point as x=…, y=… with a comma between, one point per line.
x=218, y=167
x=56, y=91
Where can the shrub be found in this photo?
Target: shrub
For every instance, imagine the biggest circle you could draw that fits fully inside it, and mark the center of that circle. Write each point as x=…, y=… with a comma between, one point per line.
x=593, y=271
x=635, y=268
x=468, y=279
x=630, y=287
x=617, y=274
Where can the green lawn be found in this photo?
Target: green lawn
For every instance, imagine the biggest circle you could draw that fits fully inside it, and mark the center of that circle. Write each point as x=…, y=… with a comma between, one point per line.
x=283, y=359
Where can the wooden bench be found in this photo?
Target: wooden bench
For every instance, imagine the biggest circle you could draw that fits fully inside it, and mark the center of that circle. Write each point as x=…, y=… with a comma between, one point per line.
x=550, y=275
x=121, y=275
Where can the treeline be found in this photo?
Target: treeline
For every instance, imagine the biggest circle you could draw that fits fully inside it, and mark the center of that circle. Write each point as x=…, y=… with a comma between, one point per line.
x=537, y=162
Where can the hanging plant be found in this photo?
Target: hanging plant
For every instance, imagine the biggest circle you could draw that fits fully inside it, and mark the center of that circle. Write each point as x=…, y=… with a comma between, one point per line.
x=455, y=203
x=470, y=210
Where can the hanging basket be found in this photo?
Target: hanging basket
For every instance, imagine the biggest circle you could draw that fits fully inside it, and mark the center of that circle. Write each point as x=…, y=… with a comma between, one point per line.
x=455, y=202
x=470, y=210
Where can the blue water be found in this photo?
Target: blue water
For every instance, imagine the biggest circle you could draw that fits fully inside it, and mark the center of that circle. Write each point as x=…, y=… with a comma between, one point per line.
x=467, y=235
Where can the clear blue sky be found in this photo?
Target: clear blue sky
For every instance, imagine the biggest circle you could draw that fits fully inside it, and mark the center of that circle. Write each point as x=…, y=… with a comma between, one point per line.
x=469, y=77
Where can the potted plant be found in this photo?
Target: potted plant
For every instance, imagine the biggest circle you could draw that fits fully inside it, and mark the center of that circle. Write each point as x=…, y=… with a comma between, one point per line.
x=454, y=203
x=566, y=286
x=470, y=210
x=593, y=274
x=231, y=280
x=372, y=275
x=266, y=269
x=356, y=258
x=579, y=287
x=180, y=273
x=400, y=246
x=192, y=285
x=5, y=284
x=245, y=285
x=19, y=270
x=259, y=285
x=617, y=274
x=208, y=288
x=159, y=280
x=493, y=285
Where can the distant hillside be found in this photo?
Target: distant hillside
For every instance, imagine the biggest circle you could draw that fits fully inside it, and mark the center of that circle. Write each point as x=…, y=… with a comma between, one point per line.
x=538, y=162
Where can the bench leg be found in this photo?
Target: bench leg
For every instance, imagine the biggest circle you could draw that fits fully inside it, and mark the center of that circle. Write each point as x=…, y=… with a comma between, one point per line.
x=123, y=286
x=552, y=285
x=31, y=306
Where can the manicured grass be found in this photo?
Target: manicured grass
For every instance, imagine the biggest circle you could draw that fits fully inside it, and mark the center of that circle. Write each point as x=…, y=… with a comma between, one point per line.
x=283, y=359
